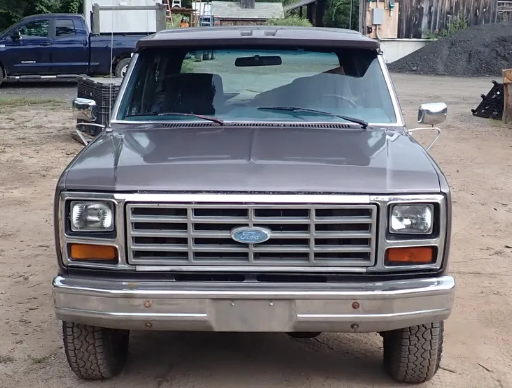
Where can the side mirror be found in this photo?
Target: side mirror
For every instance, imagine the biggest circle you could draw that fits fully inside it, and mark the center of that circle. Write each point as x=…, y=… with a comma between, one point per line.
x=432, y=113
x=85, y=109
x=16, y=35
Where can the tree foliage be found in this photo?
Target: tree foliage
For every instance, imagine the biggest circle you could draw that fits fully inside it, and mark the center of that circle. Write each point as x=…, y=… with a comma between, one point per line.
x=338, y=14
x=12, y=11
x=289, y=21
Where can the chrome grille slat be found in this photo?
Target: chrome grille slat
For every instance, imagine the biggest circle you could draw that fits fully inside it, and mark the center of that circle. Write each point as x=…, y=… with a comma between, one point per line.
x=195, y=234
x=216, y=248
x=333, y=220
x=217, y=234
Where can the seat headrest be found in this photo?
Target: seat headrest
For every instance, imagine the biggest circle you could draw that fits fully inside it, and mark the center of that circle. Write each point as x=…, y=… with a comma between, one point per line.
x=194, y=92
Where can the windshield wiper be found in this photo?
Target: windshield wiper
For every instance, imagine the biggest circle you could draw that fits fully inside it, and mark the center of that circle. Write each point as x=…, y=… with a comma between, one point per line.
x=202, y=117
x=362, y=123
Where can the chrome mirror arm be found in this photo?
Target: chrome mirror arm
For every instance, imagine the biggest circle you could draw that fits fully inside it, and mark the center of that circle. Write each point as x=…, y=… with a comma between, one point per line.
x=79, y=132
x=431, y=128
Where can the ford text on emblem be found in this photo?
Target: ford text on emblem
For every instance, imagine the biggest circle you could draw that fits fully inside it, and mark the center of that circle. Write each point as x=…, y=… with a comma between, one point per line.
x=250, y=235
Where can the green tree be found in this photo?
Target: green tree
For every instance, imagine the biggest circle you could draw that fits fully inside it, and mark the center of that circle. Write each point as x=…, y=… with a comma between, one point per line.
x=289, y=21
x=12, y=11
x=71, y=6
x=338, y=14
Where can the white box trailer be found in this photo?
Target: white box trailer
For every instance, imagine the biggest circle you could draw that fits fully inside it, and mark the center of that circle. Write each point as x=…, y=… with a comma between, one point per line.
x=124, y=22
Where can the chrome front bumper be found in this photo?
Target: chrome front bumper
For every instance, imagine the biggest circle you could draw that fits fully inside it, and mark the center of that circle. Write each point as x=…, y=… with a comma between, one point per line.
x=253, y=307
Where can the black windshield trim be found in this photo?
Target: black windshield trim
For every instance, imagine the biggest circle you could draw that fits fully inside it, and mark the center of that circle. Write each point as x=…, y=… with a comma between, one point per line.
x=362, y=123
x=202, y=117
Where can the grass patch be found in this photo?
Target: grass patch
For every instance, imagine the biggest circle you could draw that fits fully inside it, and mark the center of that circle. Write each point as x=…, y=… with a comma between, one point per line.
x=26, y=101
x=6, y=359
x=40, y=360
x=187, y=66
x=453, y=26
x=498, y=123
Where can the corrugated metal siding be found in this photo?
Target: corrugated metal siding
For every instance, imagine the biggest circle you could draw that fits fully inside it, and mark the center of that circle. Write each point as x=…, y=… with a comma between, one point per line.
x=417, y=16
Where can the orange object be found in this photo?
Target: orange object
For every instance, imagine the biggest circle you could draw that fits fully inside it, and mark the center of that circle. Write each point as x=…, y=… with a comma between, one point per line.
x=413, y=255
x=92, y=252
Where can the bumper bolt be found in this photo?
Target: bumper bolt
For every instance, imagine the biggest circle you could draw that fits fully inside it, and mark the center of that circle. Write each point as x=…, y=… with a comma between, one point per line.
x=147, y=304
x=148, y=325
x=354, y=326
x=355, y=305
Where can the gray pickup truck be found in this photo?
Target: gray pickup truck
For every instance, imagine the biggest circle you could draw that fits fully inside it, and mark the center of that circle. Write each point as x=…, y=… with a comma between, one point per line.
x=273, y=189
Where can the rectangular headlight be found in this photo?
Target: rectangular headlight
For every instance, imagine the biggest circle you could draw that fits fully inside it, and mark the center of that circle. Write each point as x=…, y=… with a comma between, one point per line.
x=411, y=219
x=92, y=216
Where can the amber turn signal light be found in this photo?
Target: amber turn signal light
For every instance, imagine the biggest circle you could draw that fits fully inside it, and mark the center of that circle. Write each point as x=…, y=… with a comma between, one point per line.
x=92, y=252
x=413, y=255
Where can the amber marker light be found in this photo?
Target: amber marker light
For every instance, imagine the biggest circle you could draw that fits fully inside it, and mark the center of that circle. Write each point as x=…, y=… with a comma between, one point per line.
x=92, y=252
x=410, y=256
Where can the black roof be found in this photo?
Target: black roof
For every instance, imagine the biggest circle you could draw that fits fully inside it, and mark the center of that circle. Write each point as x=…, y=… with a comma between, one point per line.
x=259, y=35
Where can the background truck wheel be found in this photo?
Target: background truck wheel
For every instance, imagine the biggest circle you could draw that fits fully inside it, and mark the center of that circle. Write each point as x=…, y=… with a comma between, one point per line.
x=95, y=353
x=121, y=67
x=413, y=354
x=304, y=334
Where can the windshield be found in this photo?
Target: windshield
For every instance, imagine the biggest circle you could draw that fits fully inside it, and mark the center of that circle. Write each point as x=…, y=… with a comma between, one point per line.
x=4, y=32
x=245, y=85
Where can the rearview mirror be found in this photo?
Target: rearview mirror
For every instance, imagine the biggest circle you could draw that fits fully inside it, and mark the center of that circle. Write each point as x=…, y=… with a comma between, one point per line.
x=257, y=60
x=432, y=113
x=85, y=109
x=16, y=35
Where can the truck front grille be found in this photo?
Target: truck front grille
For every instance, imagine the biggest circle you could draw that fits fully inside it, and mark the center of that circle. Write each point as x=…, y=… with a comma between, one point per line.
x=200, y=235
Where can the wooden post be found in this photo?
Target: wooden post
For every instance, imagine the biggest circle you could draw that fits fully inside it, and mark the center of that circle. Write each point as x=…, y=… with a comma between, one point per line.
x=96, y=19
x=507, y=96
x=320, y=12
x=161, y=17
x=362, y=16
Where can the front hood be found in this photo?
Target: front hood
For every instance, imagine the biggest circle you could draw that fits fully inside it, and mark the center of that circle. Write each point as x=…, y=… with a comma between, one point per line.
x=241, y=159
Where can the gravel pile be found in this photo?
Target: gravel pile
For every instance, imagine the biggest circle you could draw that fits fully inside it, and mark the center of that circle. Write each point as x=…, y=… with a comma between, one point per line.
x=483, y=50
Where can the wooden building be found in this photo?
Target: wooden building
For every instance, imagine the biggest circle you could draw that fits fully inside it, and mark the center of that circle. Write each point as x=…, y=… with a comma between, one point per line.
x=416, y=18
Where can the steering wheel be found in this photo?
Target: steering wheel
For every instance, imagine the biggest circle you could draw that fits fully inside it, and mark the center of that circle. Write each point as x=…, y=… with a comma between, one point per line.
x=340, y=97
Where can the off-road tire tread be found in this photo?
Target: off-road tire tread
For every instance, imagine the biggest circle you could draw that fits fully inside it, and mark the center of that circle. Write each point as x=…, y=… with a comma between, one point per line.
x=90, y=353
x=413, y=355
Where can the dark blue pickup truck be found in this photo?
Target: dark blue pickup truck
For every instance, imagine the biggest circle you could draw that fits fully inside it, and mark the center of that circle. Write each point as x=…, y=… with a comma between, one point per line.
x=61, y=46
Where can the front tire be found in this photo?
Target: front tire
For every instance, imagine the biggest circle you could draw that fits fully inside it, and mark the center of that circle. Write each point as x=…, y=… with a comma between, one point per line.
x=95, y=353
x=413, y=354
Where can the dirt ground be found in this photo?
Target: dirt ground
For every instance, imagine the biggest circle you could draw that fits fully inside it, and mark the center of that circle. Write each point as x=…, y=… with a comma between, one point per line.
x=476, y=155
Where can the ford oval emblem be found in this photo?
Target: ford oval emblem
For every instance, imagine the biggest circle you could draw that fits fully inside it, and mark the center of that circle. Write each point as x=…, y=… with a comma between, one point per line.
x=250, y=235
